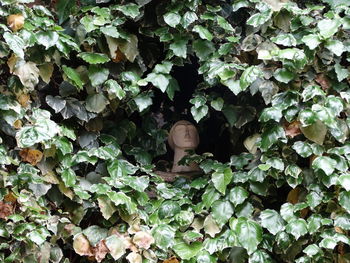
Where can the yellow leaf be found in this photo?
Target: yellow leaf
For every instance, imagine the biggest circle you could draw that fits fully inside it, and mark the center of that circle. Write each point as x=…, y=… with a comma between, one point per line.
x=31, y=156
x=45, y=72
x=15, y=22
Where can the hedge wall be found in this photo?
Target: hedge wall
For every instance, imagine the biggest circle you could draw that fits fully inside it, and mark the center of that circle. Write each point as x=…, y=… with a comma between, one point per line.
x=90, y=88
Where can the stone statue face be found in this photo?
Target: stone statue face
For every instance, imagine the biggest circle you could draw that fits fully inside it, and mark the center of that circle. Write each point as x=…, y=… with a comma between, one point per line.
x=183, y=135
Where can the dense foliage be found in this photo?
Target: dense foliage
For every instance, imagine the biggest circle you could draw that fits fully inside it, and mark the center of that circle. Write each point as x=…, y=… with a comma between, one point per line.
x=88, y=93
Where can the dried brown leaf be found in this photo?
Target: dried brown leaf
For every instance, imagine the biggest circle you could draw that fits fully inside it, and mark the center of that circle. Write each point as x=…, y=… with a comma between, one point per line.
x=31, y=156
x=292, y=129
x=5, y=210
x=15, y=22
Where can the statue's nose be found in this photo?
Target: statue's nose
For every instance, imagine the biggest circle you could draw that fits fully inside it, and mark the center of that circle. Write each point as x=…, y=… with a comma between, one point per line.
x=187, y=135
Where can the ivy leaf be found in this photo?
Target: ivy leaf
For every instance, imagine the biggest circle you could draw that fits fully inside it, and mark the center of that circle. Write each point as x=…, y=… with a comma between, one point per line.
x=342, y=73
x=98, y=75
x=179, y=47
x=297, y=227
x=57, y=103
x=238, y=195
x=131, y=10
x=249, y=234
x=203, y=32
x=158, y=80
x=199, y=113
x=73, y=76
x=249, y=76
x=47, y=39
x=164, y=236
x=186, y=251
x=68, y=177
x=272, y=220
x=188, y=18
x=335, y=46
x=116, y=246
x=302, y=148
x=328, y=27
x=114, y=90
x=222, y=212
x=312, y=41
x=64, y=9
x=172, y=19
x=344, y=181
x=259, y=18
x=168, y=209
x=203, y=48
x=325, y=164
x=94, y=58
x=344, y=200
x=15, y=43
x=283, y=75
x=270, y=136
x=221, y=179
x=96, y=102
x=143, y=101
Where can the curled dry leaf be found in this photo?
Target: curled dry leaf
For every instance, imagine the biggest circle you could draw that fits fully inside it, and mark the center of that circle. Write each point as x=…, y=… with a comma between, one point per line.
x=5, y=210
x=143, y=239
x=292, y=129
x=15, y=22
x=81, y=245
x=31, y=156
x=171, y=260
x=100, y=251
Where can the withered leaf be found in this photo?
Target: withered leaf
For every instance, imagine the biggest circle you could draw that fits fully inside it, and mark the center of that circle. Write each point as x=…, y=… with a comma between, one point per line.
x=31, y=156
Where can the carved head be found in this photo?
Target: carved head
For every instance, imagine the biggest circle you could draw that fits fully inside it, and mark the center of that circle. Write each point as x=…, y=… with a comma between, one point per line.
x=183, y=135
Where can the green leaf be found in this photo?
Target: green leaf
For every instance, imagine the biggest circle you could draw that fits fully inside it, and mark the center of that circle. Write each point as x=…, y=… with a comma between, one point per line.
x=272, y=220
x=311, y=91
x=344, y=200
x=110, y=31
x=297, y=227
x=143, y=101
x=312, y=250
x=119, y=198
x=73, y=76
x=344, y=181
x=199, y=113
x=68, y=177
x=285, y=40
x=98, y=75
x=114, y=90
x=139, y=183
x=203, y=32
x=283, y=75
x=259, y=18
x=158, y=80
x=164, y=236
x=302, y=148
x=342, y=73
x=328, y=27
x=131, y=10
x=221, y=179
x=249, y=76
x=335, y=46
x=188, y=18
x=96, y=102
x=15, y=43
x=325, y=164
x=217, y=104
x=272, y=113
x=203, y=48
x=238, y=195
x=210, y=196
x=47, y=39
x=270, y=136
x=186, y=251
x=168, y=209
x=222, y=212
x=179, y=47
x=94, y=58
x=64, y=9
x=172, y=19
x=312, y=41
x=315, y=132
x=249, y=234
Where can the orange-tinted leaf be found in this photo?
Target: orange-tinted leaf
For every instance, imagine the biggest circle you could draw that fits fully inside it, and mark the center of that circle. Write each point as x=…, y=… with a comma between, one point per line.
x=323, y=81
x=100, y=251
x=171, y=260
x=31, y=156
x=292, y=129
x=15, y=22
x=23, y=99
x=17, y=124
x=10, y=198
x=5, y=210
x=293, y=196
x=81, y=245
x=119, y=56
